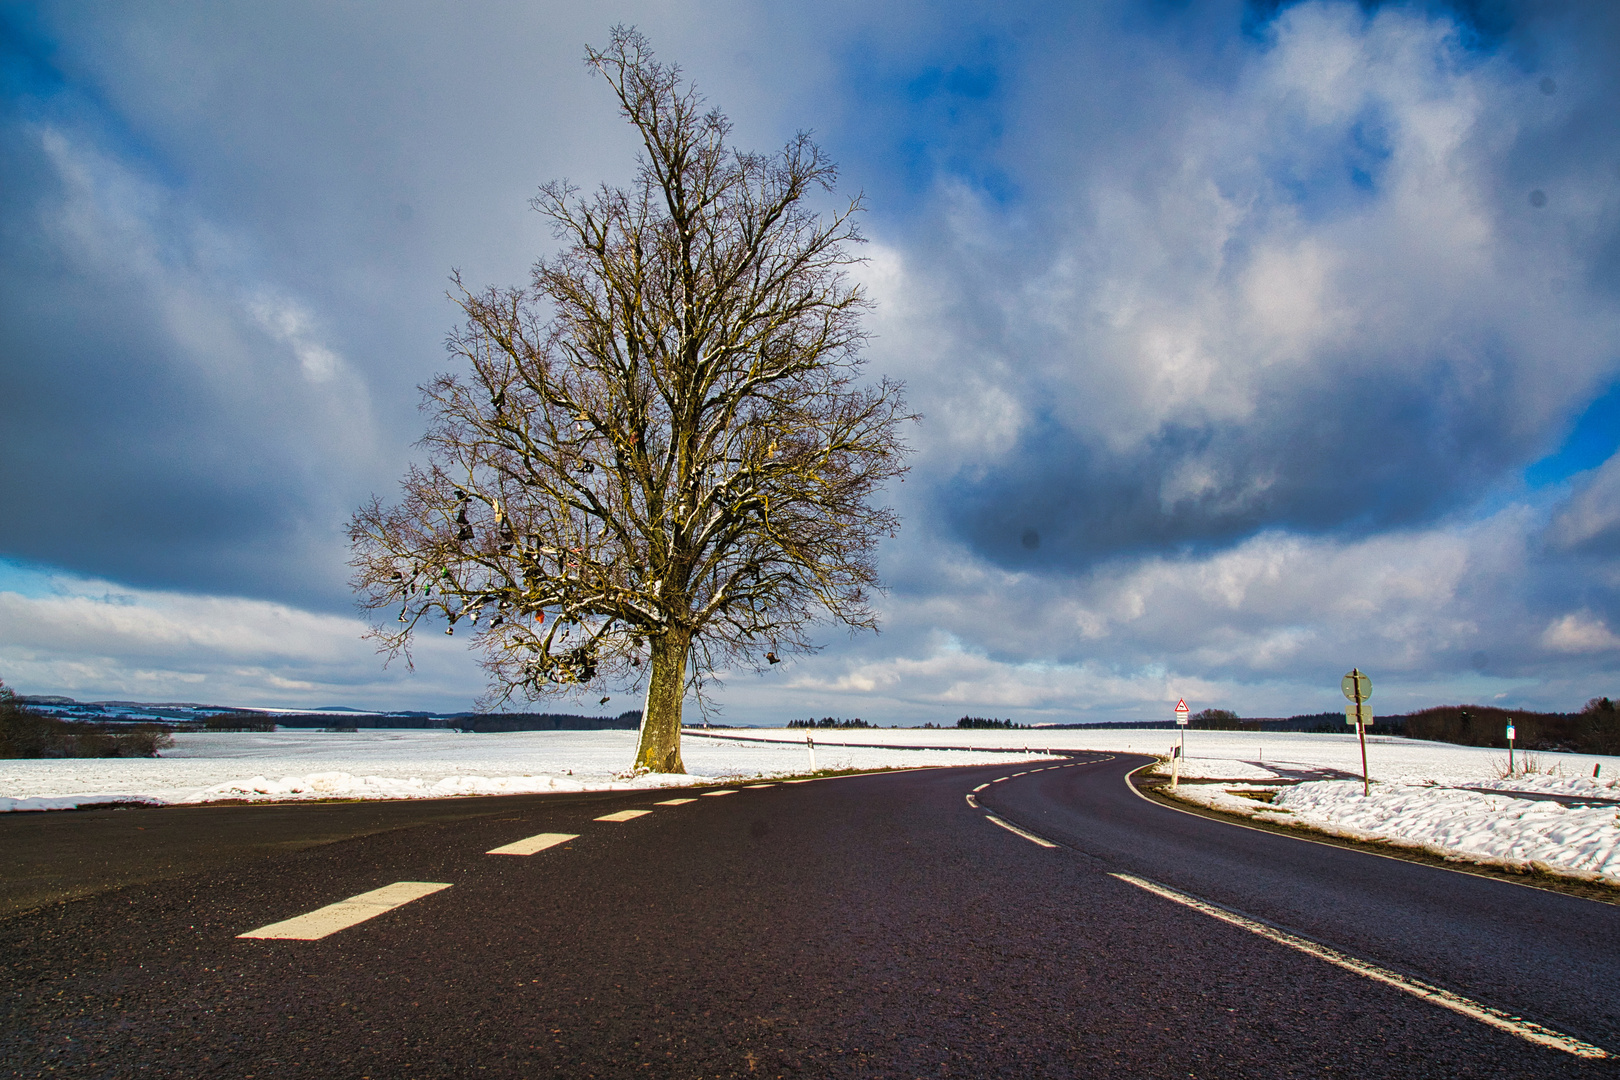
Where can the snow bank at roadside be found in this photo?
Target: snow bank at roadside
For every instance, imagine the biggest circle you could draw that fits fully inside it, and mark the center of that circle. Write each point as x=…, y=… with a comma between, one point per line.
x=342, y=785
x=1495, y=829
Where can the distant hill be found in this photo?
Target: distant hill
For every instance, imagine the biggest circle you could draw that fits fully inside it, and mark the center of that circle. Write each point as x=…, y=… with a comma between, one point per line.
x=183, y=716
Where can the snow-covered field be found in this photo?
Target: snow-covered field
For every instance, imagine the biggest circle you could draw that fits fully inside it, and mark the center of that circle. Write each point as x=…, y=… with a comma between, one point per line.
x=1449, y=799
x=406, y=764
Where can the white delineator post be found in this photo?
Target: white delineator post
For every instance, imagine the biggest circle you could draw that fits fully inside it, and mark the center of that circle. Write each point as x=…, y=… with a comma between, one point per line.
x=1179, y=752
x=810, y=745
x=1510, y=751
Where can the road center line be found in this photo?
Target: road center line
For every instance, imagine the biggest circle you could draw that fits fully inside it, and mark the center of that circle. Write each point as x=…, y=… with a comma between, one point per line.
x=972, y=801
x=1513, y=1025
x=346, y=913
x=1010, y=827
x=981, y=787
x=676, y=802
x=530, y=845
x=623, y=815
x=722, y=791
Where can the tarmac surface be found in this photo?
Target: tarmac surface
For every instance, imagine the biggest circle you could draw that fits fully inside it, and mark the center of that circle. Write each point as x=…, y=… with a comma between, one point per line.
x=1052, y=923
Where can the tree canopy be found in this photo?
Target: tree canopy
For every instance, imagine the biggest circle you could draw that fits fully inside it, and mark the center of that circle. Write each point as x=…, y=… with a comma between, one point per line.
x=660, y=458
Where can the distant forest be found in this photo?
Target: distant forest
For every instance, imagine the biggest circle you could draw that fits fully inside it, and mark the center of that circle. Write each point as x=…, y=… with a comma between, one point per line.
x=476, y=722
x=1593, y=730
x=625, y=721
x=830, y=722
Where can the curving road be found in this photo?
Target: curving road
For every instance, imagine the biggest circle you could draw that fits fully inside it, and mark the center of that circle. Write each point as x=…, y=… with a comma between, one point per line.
x=875, y=926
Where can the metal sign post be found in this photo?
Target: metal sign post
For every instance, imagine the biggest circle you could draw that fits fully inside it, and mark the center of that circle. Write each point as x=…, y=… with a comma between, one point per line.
x=1358, y=688
x=1510, y=750
x=1179, y=752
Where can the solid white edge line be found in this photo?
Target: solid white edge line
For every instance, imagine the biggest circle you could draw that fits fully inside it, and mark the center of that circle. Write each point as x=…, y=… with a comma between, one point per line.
x=314, y=925
x=1496, y=1018
x=531, y=845
x=1010, y=827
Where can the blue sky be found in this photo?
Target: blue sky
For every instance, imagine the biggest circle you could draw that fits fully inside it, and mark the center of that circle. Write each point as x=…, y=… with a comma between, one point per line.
x=1254, y=341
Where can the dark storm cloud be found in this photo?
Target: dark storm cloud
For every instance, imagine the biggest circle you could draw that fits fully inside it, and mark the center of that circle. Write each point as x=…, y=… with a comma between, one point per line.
x=1350, y=459
x=130, y=450
x=227, y=238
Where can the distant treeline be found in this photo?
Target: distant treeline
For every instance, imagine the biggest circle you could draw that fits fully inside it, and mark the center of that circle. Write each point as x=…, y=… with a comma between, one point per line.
x=1320, y=723
x=979, y=723
x=475, y=722
x=28, y=734
x=345, y=722
x=830, y=722
x=239, y=721
x=488, y=722
x=1593, y=730
x=1314, y=722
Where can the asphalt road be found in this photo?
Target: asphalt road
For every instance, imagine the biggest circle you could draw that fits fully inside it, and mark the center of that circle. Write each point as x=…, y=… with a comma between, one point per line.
x=876, y=926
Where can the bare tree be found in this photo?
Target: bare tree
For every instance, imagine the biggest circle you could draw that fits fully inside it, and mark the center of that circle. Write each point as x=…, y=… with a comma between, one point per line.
x=662, y=462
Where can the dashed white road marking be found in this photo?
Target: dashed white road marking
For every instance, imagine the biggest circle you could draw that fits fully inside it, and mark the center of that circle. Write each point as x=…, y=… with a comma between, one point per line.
x=1496, y=1018
x=981, y=787
x=346, y=913
x=676, y=802
x=752, y=786
x=1010, y=827
x=722, y=791
x=530, y=845
x=623, y=815
x=972, y=801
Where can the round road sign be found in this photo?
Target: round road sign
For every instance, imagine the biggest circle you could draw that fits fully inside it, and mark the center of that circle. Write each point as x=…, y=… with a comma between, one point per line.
x=1357, y=687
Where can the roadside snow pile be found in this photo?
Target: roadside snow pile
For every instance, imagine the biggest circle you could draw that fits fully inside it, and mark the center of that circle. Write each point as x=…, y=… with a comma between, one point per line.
x=1506, y=829
x=1578, y=787
x=412, y=764
x=342, y=785
x=1523, y=833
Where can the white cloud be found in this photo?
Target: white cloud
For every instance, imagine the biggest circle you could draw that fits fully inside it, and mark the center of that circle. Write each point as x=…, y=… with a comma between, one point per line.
x=96, y=640
x=1579, y=632
x=1593, y=513
x=289, y=322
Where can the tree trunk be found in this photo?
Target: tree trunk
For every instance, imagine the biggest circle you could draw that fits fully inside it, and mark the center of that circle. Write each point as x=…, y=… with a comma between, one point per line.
x=660, y=749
